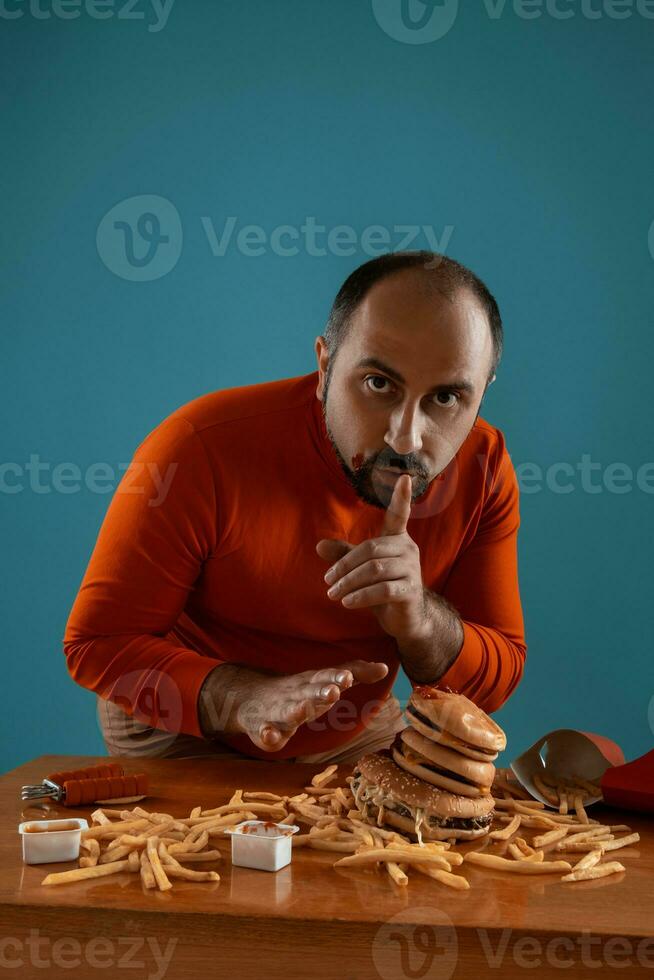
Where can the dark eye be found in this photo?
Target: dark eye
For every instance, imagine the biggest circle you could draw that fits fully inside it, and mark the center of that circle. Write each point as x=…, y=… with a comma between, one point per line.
x=375, y=377
x=447, y=395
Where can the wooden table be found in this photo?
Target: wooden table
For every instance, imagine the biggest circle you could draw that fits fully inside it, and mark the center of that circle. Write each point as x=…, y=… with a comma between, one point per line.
x=308, y=920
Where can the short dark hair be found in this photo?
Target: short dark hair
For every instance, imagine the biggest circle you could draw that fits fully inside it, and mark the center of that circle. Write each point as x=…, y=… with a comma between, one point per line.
x=444, y=274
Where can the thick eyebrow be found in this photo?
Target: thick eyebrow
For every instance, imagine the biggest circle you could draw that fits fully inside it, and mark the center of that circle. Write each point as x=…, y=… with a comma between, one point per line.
x=374, y=362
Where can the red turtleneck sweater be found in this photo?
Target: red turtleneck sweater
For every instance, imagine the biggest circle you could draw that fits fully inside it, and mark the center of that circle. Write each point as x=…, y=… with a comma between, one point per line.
x=207, y=554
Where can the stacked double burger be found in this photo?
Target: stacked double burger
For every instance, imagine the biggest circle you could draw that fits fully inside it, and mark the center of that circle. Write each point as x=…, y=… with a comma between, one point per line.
x=435, y=781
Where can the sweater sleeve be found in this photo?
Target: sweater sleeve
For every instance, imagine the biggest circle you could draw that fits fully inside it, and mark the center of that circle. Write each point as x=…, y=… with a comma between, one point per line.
x=483, y=588
x=158, y=530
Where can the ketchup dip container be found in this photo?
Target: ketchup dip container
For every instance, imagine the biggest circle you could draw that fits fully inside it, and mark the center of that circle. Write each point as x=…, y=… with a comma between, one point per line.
x=51, y=840
x=261, y=844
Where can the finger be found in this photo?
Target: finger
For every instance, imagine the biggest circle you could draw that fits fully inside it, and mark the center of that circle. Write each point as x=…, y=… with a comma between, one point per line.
x=327, y=692
x=388, y=547
x=305, y=710
x=399, y=509
x=398, y=590
x=331, y=675
x=331, y=549
x=269, y=738
x=375, y=570
x=366, y=671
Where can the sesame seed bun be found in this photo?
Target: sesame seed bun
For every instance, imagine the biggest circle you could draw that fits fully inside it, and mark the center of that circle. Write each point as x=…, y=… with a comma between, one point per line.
x=379, y=769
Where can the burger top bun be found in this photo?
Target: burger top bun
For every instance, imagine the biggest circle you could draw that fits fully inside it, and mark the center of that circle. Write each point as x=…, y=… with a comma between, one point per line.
x=456, y=715
x=480, y=773
x=380, y=769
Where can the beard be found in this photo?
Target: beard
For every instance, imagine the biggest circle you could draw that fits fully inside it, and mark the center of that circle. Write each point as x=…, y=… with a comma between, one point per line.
x=364, y=479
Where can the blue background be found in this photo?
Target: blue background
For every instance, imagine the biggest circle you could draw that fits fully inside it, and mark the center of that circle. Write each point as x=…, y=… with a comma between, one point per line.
x=532, y=138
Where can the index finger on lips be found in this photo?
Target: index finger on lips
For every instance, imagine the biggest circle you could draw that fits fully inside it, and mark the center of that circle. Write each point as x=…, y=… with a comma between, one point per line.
x=399, y=509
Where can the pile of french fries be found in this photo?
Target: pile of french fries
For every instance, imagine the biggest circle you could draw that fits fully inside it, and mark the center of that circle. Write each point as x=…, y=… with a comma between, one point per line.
x=562, y=833
x=157, y=846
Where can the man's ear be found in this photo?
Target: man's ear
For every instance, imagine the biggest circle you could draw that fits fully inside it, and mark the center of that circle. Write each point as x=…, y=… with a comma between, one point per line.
x=322, y=355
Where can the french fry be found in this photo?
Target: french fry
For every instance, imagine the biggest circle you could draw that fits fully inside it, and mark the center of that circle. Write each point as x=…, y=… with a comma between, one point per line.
x=615, y=845
x=321, y=778
x=550, y=838
x=237, y=798
x=396, y=873
x=104, y=832
x=147, y=875
x=100, y=817
x=579, y=809
x=393, y=854
x=81, y=874
x=507, y=831
x=598, y=871
x=269, y=809
x=591, y=859
x=133, y=861
x=546, y=791
x=264, y=797
x=578, y=846
x=193, y=857
x=155, y=863
x=445, y=877
x=191, y=843
x=175, y=869
x=522, y=867
x=511, y=804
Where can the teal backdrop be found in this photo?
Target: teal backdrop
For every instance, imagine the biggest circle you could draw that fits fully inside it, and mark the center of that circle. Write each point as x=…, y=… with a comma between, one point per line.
x=517, y=138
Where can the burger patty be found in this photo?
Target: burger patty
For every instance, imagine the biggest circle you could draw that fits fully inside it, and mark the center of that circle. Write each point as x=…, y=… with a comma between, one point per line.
x=471, y=823
x=410, y=710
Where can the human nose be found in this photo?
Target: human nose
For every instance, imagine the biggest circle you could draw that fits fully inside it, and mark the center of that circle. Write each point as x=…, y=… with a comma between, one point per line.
x=404, y=435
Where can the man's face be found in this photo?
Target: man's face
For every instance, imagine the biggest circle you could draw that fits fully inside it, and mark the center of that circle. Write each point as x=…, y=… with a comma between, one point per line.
x=412, y=409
